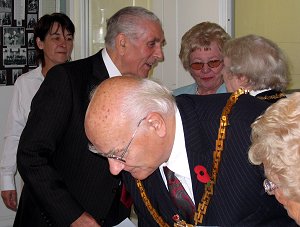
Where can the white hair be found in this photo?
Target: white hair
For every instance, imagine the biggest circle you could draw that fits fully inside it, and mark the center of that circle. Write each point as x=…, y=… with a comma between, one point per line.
x=276, y=144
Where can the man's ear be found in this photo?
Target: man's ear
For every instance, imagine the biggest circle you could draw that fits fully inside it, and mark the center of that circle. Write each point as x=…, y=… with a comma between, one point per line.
x=121, y=41
x=157, y=123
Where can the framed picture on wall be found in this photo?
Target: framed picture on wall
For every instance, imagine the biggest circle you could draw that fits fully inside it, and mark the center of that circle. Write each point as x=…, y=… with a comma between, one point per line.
x=5, y=19
x=30, y=40
x=13, y=36
x=14, y=57
x=31, y=58
x=31, y=20
x=16, y=73
x=3, y=78
x=5, y=5
x=33, y=6
x=17, y=52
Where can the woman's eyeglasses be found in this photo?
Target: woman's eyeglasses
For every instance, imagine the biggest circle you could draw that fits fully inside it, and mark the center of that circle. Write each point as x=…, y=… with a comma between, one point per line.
x=211, y=64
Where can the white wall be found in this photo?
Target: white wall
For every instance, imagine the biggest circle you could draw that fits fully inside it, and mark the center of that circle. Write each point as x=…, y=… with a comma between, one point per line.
x=6, y=216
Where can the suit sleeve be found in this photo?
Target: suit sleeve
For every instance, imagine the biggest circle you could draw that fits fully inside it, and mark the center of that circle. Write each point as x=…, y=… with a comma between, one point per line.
x=47, y=122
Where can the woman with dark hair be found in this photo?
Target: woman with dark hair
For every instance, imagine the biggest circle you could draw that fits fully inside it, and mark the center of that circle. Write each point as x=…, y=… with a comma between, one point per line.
x=53, y=35
x=50, y=33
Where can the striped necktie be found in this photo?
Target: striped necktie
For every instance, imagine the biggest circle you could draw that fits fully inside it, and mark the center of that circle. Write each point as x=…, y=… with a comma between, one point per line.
x=179, y=196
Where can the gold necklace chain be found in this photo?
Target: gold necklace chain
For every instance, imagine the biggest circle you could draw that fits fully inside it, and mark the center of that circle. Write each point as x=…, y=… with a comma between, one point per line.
x=202, y=206
x=149, y=206
x=209, y=187
x=272, y=97
x=197, y=92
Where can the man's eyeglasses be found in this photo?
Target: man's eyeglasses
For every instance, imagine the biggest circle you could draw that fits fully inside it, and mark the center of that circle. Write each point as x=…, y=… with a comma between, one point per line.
x=211, y=64
x=113, y=153
x=269, y=187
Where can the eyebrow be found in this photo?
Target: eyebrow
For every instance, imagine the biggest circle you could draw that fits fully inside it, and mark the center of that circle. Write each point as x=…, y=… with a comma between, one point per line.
x=93, y=149
x=157, y=40
x=111, y=152
x=59, y=33
x=55, y=33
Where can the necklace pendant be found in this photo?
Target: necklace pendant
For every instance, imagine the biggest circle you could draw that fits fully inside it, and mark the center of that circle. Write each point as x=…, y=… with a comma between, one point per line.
x=182, y=223
x=176, y=218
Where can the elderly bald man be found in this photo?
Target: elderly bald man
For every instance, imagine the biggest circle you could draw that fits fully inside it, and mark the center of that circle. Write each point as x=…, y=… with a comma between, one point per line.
x=139, y=126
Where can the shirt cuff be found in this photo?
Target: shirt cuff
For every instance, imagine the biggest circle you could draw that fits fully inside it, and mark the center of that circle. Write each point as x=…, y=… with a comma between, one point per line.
x=7, y=183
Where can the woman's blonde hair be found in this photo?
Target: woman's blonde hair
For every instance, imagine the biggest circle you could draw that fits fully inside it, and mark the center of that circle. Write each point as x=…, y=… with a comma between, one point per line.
x=199, y=36
x=276, y=144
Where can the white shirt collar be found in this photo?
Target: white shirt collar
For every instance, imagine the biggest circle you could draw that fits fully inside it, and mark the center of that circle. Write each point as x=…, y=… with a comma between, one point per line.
x=178, y=161
x=110, y=66
x=254, y=93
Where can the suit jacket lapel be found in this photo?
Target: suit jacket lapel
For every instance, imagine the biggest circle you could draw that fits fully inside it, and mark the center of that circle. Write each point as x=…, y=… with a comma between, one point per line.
x=97, y=73
x=193, y=145
x=99, y=69
x=199, y=136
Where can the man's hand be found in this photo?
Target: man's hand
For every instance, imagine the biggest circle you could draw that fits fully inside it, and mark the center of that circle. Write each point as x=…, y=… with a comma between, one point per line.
x=10, y=199
x=85, y=220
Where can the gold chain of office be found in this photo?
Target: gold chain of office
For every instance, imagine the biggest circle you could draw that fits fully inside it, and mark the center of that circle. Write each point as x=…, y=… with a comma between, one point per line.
x=272, y=97
x=208, y=193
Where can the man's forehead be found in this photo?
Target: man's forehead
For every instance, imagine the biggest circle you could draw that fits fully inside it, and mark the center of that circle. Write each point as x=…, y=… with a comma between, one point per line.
x=106, y=102
x=102, y=98
x=152, y=29
x=110, y=136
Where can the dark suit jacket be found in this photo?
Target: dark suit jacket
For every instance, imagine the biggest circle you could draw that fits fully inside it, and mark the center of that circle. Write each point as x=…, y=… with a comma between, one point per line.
x=62, y=177
x=239, y=198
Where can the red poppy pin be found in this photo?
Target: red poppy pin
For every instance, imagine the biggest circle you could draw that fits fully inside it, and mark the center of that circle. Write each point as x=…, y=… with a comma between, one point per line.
x=202, y=174
x=176, y=218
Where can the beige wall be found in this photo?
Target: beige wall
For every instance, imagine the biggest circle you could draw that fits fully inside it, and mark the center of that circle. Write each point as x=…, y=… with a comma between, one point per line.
x=278, y=20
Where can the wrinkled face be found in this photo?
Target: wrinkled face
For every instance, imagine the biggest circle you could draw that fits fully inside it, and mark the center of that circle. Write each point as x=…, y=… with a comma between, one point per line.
x=231, y=81
x=144, y=51
x=292, y=207
x=136, y=152
x=207, y=78
x=138, y=145
x=57, y=46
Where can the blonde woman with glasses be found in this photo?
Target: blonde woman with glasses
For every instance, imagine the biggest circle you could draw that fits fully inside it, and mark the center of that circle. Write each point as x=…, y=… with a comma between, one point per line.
x=201, y=56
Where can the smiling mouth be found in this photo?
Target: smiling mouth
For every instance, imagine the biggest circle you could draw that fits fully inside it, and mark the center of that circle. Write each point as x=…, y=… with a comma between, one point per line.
x=150, y=64
x=206, y=78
